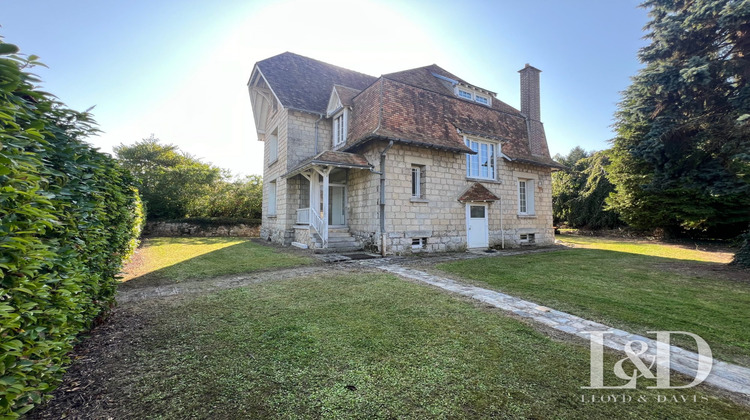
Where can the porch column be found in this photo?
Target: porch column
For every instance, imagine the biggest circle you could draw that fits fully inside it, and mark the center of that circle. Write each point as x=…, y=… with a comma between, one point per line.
x=326, y=172
x=314, y=195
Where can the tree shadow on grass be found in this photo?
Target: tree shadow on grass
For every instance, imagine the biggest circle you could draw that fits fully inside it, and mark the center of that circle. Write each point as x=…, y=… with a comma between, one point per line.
x=630, y=291
x=243, y=257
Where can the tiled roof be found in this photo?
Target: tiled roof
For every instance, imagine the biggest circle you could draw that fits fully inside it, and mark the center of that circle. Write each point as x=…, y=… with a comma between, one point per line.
x=304, y=83
x=346, y=94
x=424, y=77
x=332, y=158
x=401, y=112
x=477, y=192
x=412, y=106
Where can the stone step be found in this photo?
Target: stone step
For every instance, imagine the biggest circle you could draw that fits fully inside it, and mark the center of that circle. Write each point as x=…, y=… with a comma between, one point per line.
x=337, y=250
x=339, y=239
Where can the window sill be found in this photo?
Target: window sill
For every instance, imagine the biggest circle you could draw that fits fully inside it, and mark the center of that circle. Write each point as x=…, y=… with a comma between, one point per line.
x=271, y=216
x=527, y=216
x=487, y=180
x=273, y=162
x=419, y=200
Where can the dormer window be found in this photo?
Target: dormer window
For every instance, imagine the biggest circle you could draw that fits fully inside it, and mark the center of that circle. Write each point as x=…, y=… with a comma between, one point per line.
x=481, y=99
x=339, y=128
x=473, y=95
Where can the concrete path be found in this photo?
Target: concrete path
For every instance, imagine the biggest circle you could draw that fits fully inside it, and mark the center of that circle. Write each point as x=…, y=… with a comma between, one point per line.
x=726, y=376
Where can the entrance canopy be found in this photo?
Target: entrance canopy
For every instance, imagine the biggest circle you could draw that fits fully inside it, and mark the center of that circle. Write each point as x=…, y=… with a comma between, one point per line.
x=332, y=159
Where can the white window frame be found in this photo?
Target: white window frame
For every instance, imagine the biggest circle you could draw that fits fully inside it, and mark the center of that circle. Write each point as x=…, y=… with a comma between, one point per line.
x=466, y=94
x=482, y=99
x=339, y=127
x=492, y=170
x=526, y=205
x=418, y=243
x=418, y=181
x=272, y=197
x=273, y=147
x=472, y=95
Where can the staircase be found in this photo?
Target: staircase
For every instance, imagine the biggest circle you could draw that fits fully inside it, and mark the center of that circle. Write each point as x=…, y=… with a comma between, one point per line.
x=339, y=240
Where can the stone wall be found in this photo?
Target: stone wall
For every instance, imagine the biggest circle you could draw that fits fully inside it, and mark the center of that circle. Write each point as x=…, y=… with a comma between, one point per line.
x=440, y=217
x=153, y=229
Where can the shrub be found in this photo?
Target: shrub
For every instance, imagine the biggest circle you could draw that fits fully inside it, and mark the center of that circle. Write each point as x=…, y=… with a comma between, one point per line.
x=69, y=216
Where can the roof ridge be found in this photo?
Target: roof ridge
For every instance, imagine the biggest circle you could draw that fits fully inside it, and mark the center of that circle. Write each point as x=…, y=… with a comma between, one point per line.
x=321, y=62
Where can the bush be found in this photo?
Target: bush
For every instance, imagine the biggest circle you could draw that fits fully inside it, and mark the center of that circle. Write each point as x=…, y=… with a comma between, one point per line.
x=69, y=216
x=742, y=258
x=239, y=199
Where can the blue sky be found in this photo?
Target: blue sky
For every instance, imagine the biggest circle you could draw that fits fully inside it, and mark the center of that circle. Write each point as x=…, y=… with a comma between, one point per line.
x=178, y=69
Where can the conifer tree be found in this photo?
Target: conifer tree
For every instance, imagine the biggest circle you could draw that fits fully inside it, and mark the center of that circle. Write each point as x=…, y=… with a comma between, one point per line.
x=681, y=158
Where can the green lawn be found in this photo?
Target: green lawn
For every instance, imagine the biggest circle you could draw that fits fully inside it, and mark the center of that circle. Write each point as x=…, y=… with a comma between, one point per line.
x=162, y=261
x=634, y=286
x=351, y=346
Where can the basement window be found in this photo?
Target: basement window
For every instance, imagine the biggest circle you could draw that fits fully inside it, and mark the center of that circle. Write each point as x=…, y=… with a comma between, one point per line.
x=528, y=238
x=418, y=243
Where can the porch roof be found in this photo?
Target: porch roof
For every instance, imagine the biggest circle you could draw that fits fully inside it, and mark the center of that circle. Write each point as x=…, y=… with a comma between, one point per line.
x=331, y=158
x=477, y=193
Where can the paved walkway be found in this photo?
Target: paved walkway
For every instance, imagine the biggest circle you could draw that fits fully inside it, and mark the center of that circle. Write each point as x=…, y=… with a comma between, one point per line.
x=723, y=375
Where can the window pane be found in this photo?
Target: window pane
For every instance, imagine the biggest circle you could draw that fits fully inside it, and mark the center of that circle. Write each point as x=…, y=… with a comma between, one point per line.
x=522, y=196
x=414, y=182
x=477, y=212
x=492, y=161
x=483, y=160
x=475, y=165
x=464, y=94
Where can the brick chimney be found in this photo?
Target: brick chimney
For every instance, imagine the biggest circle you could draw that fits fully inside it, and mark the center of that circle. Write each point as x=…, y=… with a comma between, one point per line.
x=530, y=92
x=530, y=108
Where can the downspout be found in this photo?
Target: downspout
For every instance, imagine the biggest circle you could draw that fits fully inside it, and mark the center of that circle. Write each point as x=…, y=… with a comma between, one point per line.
x=382, y=198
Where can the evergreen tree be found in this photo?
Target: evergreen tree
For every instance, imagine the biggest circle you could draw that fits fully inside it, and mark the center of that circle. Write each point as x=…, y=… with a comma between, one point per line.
x=681, y=157
x=579, y=194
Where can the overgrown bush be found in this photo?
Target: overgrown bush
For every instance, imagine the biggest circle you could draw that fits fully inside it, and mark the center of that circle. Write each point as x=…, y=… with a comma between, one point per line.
x=69, y=216
x=237, y=199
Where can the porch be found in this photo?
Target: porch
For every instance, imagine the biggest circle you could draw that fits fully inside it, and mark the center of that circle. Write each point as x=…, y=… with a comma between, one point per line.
x=322, y=198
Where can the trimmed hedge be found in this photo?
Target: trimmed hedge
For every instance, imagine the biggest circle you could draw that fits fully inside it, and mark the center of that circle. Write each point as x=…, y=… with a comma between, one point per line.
x=69, y=216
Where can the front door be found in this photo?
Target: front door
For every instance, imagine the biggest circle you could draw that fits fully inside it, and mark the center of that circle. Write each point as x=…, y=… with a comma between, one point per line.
x=477, y=230
x=336, y=205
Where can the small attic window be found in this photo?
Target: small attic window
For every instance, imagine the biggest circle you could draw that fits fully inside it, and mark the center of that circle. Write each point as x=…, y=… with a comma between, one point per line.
x=473, y=95
x=465, y=94
x=481, y=99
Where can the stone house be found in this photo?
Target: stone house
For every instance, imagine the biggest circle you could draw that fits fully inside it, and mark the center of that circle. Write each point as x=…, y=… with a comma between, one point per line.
x=413, y=161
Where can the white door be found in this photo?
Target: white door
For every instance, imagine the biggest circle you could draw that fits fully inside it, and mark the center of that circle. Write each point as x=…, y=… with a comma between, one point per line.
x=477, y=230
x=337, y=206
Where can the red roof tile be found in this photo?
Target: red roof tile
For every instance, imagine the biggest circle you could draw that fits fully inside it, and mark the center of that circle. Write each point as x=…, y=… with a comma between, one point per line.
x=477, y=192
x=332, y=158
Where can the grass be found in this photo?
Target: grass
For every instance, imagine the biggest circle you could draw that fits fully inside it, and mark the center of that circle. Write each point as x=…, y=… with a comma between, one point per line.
x=650, y=248
x=634, y=286
x=162, y=261
x=354, y=346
